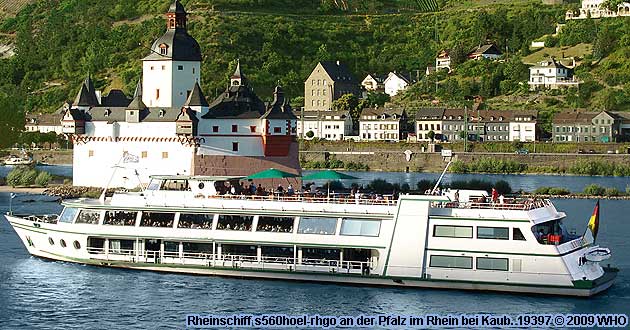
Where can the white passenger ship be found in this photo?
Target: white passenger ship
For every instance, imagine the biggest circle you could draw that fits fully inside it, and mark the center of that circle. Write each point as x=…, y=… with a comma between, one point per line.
x=182, y=225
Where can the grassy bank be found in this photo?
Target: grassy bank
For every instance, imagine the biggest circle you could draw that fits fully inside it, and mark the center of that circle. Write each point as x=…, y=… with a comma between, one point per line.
x=502, y=166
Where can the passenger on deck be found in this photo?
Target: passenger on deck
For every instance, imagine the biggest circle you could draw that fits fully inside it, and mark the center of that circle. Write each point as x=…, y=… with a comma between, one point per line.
x=501, y=199
x=290, y=190
x=280, y=189
x=495, y=195
x=456, y=196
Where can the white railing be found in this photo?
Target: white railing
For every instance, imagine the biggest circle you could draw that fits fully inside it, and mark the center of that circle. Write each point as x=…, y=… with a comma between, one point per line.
x=233, y=261
x=513, y=204
x=334, y=198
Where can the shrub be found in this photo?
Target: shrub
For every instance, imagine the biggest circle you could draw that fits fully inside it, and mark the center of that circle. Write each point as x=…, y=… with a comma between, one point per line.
x=558, y=191
x=380, y=186
x=542, y=191
x=352, y=166
x=424, y=185
x=334, y=185
x=503, y=187
x=14, y=177
x=594, y=190
x=42, y=179
x=3, y=181
x=612, y=192
x=405, y=188
x=28, y=177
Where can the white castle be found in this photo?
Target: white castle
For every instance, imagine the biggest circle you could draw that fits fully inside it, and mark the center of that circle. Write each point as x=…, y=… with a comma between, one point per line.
x=597, y=9
x=170, y=128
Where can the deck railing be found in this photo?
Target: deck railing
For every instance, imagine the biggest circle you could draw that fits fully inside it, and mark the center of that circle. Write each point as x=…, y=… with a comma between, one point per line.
x=335, y=198
x=232, y=261
x=512, y=204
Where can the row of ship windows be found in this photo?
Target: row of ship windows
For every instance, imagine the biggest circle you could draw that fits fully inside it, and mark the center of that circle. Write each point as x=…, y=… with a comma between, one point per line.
x=483, y=263
x=62, y=242
x=305, y=225
x=482, y=232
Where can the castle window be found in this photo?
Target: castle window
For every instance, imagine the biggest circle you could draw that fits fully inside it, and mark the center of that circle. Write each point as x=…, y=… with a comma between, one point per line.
x=193, y=70
x=163, y=67
x=252, y=129
x=107, y=113
x=157, y=94
x=152, y=67
x=277, y=129
x=180, y=67
x=90, y=153
x=215, y=129
x=164, y=155
x=163, y=49
x=144, y=154
x=234, y=128
x=162, y=113
x=235, y=146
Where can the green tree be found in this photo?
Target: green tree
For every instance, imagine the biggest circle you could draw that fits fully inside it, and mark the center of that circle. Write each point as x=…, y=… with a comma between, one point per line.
x=348, y=102
x=431, y=135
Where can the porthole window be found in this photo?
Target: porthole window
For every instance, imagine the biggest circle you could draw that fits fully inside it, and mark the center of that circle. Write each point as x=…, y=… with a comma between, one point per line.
x=62, y=243
x=76, y=245
x=201, y=185
x=50, y=240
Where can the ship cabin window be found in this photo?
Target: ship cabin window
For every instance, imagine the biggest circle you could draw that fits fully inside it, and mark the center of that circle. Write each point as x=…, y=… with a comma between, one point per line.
x=357, y=257
x=321, y=226
x=155, y=184
x=493, y=233
x=195, y=221
x=271, y=253
x=95, y=245
x=451, y=262
x=198, y=248
x=275, y=224
x=89, y=217
x=121, y=246
x=360, y=227
x=315, y=256
x=552, y=233
x=228, y=250
x=120, y=218
x=453, y=231
x=157, y=219
x=172, y=248
x=492, y=263
x=235, y=222
x=175, y=185
x=517, y=235
x=68, y=214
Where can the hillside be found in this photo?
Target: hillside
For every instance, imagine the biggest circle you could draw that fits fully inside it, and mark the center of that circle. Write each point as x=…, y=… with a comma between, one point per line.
x=281, y=40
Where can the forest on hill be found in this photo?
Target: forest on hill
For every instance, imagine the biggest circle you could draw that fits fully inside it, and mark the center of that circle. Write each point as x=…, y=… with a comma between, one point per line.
x=58, y=42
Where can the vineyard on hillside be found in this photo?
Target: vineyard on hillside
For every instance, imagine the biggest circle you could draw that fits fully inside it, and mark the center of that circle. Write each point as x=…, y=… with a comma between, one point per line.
x=12, y=7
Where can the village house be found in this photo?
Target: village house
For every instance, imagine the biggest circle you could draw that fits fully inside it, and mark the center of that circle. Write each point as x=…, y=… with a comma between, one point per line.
x=383, y=124
x=488, y=51
x=481, y=125
x=374, y=82
x=576, y=126
x=326, y=83
x=523, y=125
x=429, y=120
x=443, y=61
x=46, y=122
x=597, y=9
x=551, y=74
x=397, y=82
x=329, y=125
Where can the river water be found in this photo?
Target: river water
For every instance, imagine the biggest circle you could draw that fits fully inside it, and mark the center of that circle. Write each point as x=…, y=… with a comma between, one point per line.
x=43, y=294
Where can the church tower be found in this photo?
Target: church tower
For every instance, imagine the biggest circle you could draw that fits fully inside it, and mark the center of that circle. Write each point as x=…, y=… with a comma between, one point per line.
x=170, y=72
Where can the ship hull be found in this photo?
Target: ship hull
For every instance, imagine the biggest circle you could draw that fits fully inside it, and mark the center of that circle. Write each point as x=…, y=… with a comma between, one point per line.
x=37, y=237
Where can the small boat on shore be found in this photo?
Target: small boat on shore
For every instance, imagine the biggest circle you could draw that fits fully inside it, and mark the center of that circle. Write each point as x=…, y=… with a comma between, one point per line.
x=183, y=224
x=17, y=160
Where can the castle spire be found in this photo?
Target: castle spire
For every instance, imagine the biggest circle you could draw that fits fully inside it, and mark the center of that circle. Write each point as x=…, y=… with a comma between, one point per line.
x=176, y=16
x=238, y=78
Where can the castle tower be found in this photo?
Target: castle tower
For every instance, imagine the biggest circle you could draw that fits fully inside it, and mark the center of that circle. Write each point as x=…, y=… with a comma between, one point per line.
x=171, y=71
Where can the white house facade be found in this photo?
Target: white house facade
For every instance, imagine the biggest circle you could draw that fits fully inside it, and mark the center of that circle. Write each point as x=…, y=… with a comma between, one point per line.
x=523, y=126
x=551, y=74
x=328, y=125
x=429, y=120
x=597, y=9
x=395, y=83
x=373, y=83
x=383, y=124
x=443, y=61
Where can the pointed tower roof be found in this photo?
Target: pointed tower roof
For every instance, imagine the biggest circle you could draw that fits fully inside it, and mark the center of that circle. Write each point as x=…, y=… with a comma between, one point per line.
x=177, y=8
x=279, y=109
x=238, y=78
x=86, y=96
x=196, y=98
x=136, y=103
x=238, y=73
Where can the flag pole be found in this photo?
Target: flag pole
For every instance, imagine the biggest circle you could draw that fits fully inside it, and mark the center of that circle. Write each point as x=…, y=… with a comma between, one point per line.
x=11, y=196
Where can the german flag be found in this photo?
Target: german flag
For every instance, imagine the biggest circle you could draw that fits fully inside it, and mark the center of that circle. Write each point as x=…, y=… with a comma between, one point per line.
x=593, y=223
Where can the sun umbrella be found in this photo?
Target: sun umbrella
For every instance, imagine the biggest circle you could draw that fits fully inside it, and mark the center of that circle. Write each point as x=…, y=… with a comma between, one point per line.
x=271, y=173
x=329, y=175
